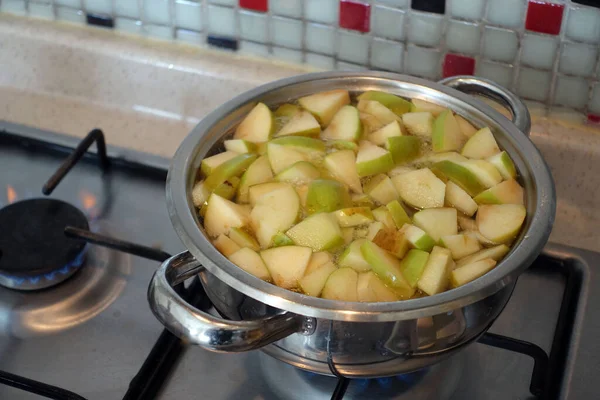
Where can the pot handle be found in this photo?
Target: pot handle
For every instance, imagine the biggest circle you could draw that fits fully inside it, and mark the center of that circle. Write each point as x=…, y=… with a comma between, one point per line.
x=205, y=330
x=487, y=88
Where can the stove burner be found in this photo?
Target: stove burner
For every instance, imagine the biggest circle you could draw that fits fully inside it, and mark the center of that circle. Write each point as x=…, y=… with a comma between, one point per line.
x=35, y=253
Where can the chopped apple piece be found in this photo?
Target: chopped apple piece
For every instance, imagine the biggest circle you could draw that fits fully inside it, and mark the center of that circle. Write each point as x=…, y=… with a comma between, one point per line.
x=354, y=216
x=288, y=150
x=326, y=195
x=507, y=192
x=372, y=159
x=437, y=222
x=381, y=189
x=446, y=134
x=352, y=257
x=258, y=126
x=345, y=125
x=313, y=282
x=225, y=245
x=249, y=260
x=397, y=104
x=301, y=124
x=240, y=146
x=417, y=237
x=433, y=158
x=495, y=253
x=422, y=105
x=436, y=275
x=460, y=245
x=325, y=105
x=420, y=188
x=374, y=229
x=312, y=147
x=341, y=285
x=343, y=145
x=281, y=239
x=399, y=170
x=318, y=259
x=226, y=170
x=287, y=110
x=222, y=215
x=459, y=199
x=370, y=288
x=470, y=272
x=210, y=163
x=418, y=123
x=362, y=200
x=481, y=145
x=504, y=165
x=319, y=232
x=274, y=212
x=475, y=234
x=370, y=123
x=473, y=176
x=243, y=239
x=393, y=241
x=403, y=148
x=299, y=173
x=255, y=192
x=258, y=172
x=342, y=165
x=379, y=137
x=398, y=213
x=500, y=222
x=466, y=224
x=378, y=110
x=287, y=264
x=387, y=268
x=413, y=265
x=348, y=234
x=281, y=157
x=383, y=215
x=465, y=126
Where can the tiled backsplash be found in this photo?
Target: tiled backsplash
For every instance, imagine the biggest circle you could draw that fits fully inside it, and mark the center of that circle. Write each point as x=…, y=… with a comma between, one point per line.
x=546, y=51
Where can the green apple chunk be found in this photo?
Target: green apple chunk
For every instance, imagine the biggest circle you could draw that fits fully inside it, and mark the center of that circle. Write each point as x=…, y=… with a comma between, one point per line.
x=317, y=260
x=495, y=253
x=313, y=282
x=507, y=192
x=437, y=222
x=460, y=245
x=381, y=189
x=325, y=105
x=299, y=173
x=362, y=200
x=481, y=145
x=418, y=123
x=393, y=241
x=459, y=199
x=341, y=285
x=281, y=239
x=374, y=229
x=403, y=148
x=436, y=274
x=397, y=104
x=228, y=169
x=413, y=265
x=465, y=126
x=420, y=188
x=301, y=124
x=225, y=245
x=470, y=272
x=343, y=145
x=240, y=146
x=257, y=191
x=287, y=110
x=243, y=239
x=282, y=157
x=209, y=164
x=387, y=268
x=326, y=195
x=370, y=288
x=399, y=170
x=446, y=134
x=370, y=123
x=473, y=176
x=504, y=165
x=352, y=257
x=222, y=215
x=288, y=150
x=425, y=106
x=342, y=166
x=249, y=260
x=258, y=126
x=372, y=159
x=378, y=110
x=274, y=212
x=500, y=222
x=258, y=172
x=417, y=237
x=354, y=216
x=383, y=215
x=345, y=125
x=398, y=213
x=379, y=137
x=286, y=264
x=319, y=232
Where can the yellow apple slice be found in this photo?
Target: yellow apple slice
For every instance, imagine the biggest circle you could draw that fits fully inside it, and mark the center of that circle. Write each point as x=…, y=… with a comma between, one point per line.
x=447, y=135
x=465, y=126
x=342, y=166
x=378, y=110
x=393, y=241
x=418, y=123
x=459, y=199
x=436, y=274
x=495, y=253
x=313, y=282
x=258, y=126
x=437, y=222
x=379, y=137
x=370, y=288
x=420, y=188
x=325, y=105
x=381, y=189
x=354, y=216
x=504, y=165
x=507, y=192
x=425, y=106
x=299, y=173
x=255, y=192
x=225, y=245
x=352, y=257
x=274, y=212
x=249, y=260
x=210, y=163
x=222, y=215
x=481, y=145
x=341, y=285
x=286, y=264
x=240, y=146
x=258, y=172
x=301, y=124
x=397, y=104
x=387, y=268
x=345, y=125
x=243, y=239
x=319, y=232
x=460, y=245
x=470, y=272
x=500, y=222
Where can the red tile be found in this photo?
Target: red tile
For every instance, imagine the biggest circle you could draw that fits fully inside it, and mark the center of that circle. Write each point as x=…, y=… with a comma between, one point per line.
x=355, y=15
x=256, y=5
x=593, y=118
x=455, y=64
x=544, y=17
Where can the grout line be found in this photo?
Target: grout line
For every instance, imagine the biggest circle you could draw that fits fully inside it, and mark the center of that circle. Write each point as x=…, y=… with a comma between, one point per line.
x=554, y=77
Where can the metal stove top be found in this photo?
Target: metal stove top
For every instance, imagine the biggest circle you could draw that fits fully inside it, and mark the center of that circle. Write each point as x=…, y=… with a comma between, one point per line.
x=92, y=334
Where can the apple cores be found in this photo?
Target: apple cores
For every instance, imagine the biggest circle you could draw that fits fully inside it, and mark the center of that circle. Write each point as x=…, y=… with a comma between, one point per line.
x=420, y=188
x=222, y=215
x=507, y=192
x=459, y=199
x=387, y=268
x=325, y=105
x=470, y=272
x=437, y=222
x=345, y=125
x=326, y=195
x=436, y=274
x=446, y=135
x=258, y=126
x=342, y=165
x=403, y=148
x=286, y=264
x=460, y=245
x=500, y=222
x=319, y=232
x=418, y=123
x=341, y=285
x=249, y=260
x=372, y=159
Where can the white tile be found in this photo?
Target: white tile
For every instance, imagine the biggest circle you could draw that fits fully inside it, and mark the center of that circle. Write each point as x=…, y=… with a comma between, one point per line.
x=319, y=38
x=583, y=24
x=425, y=29
x=157, y=11
x=253, y=48
x=224, y=2
x=221, y=21
x=325, y=11
x=578, y=59
x=534, y=84
x=41, y=10
x=68, y=3
x=188, y=15
x=353, y=47
x=320, y=61
x=287, y=32
x=158, y=31
x=538, y=51
x=394, y=3
x=70, y=15
x=344, y=66
x=467, y=9
x=387, y=22
x=191, y=37
x=293, y=56
x=463, y=37
x=128, y=25
x=253, y=26
x=98, y=6
x=423, y=62
x=499, y=73
x=287, y=8
x=16, y=7
x=386, y=55
x=500, y=44
x=571, y=91
x=594, y=105
x=508, y=13
x=127, y=8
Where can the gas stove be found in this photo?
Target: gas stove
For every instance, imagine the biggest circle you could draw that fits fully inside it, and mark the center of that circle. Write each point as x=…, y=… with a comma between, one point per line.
x=82, y=229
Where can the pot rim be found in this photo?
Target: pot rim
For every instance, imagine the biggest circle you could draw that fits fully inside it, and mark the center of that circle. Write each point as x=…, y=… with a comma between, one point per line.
x=526, y=248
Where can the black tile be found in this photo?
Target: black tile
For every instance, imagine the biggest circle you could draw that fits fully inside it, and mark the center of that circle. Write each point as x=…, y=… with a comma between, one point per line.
x=593, y=3
x=222, y=42
x=434, y=6
x=103, y=21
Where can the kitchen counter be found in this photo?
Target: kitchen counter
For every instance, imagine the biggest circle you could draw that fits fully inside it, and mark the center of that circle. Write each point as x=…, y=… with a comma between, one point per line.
x=147, y=95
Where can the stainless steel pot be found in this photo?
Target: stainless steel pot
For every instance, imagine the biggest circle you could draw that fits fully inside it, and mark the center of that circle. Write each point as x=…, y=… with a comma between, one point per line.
x=334, y=337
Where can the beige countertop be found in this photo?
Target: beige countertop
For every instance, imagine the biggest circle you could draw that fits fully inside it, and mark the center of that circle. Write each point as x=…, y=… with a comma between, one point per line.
x=147, y=95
